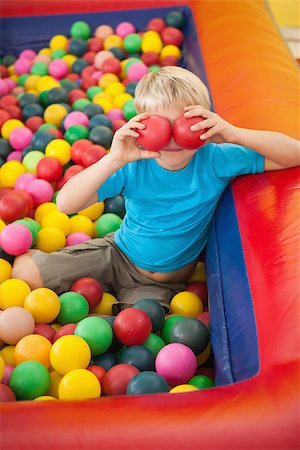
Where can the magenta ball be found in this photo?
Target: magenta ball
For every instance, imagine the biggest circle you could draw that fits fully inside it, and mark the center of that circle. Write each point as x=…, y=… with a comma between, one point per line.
x=15, y=239
x=115, y=114
x=177, y=363
x=124, y=28
x=97, y=75
x=22, y=65
x=76, y=118
x=58, y=68
x=7, y=373
x=41, y=191
x=136, y=71
x=28, y=54
x=24, y=179
x=77, y=238
x=4, y=89
x=20, y=138
x=14, y=156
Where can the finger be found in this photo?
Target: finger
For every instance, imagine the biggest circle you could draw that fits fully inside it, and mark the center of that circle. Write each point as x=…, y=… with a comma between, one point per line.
x=128, y=133
x=146, y=154
x=139, y=117
x=199, y=111
x=208, y=134
x=138, y=125
x=207, y=123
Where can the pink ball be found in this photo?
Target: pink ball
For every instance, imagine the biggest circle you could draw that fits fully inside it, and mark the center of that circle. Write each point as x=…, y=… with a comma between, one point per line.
x=7, y=373
x=115, y=114
x=10, y=83
x=14, y=156
x=41, y=191
x=136, y=71
x=4, y=89
x=20, y=138
x=77, y=238
x=58, y=68
x=22, y=65
x=97, y=75
x=28, y=54
x=24, y=179
x=15, y=239
x=125, y=28
x=42, y=58
x=177, y=363
x=75, y=118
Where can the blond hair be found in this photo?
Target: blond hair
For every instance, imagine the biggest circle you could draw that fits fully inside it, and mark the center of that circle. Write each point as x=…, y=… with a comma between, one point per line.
x=170, y=86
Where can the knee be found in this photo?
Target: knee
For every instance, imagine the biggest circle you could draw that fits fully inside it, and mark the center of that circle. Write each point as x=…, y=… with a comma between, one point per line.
x=25, y=269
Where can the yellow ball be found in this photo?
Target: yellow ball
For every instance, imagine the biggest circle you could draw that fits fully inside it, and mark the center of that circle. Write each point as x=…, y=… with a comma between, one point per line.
x=43, y=398
x=94, y=211
x=13, y=293
x=69, y=59
x=82, y=224
x=54, y=114
x=9, y=126
x=203, y=357
x=57, y=219
x=79, y=384
x=103, y=102
x=50, y=239
x=107, y=79
x=102, y=95
x=112, y=41
x=59, y=149
x=5, y=269
x=46, y=83
x=31, y=82
x=151, y=42
x=56, y=326
x=105, y=306
x=170, y=50
x=120, y=100
x=45, y=51
x=44, y=209
x=199, y=273
x=33, y=347
x=10, y=172
x=58, y=42
x=2, y=225
x=186, y=304
x=55, y=379
x=183, y=388
x=68, y=353
x=8, y=355
x=114, y=89
x=43, y=304
x=2, y=368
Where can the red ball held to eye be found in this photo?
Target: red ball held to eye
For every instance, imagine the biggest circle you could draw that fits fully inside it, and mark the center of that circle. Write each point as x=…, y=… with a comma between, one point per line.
x=182, y=134
x=156, y=134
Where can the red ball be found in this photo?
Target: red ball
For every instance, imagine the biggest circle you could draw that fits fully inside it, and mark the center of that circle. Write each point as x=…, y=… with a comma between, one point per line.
x=92, y=155
x=118, y=124
x=12, y=207
x=95, y=44
x=88, y=71
x=111, y=65
x=14, y=111
x=89, y=57
x=204, y=317
x=28, y=199
x=75, y=94
x=90, y=288
x=43, y=329
x=150, y=58
x=56, y=133
x=117, y=378
x=169, y=61
x=49, y=169
x=65, y=330
x=6, y=394
x=77, y=149
x=71, y=171
x=156, y=24
x=199, y=288
x=60, y=183
x=4, y=116
x=99, y=371
x=8, y=100
x=172, y=36
x=149, y=138
x=34, y=122
x=132, y=326
x=87, y=82
x=3, y=71
x=182, y=134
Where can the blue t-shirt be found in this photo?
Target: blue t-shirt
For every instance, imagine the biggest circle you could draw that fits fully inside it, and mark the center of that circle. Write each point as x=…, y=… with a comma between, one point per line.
x=169, y=212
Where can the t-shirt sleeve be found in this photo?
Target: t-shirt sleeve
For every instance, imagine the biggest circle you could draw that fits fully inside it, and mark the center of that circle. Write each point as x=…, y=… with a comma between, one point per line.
x=112, y=186
x=230, y=160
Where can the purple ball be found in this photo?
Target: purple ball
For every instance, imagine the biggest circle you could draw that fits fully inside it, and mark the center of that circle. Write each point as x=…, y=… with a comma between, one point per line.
x=77, y=238
x=15, y=239
x=177, y=363
x=20, y=138
x=40, y=190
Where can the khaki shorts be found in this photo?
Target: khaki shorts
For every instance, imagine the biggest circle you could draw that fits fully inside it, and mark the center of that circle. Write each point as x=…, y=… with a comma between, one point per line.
x=102, y=259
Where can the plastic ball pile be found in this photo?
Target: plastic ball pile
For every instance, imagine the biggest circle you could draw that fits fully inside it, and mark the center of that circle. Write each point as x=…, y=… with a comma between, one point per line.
x=59, y=109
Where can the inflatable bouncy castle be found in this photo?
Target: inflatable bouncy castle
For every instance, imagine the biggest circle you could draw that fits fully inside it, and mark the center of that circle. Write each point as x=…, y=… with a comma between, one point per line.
x=252, y=256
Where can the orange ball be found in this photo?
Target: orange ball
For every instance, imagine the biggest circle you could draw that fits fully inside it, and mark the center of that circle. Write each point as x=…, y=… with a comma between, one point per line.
x=33, y=347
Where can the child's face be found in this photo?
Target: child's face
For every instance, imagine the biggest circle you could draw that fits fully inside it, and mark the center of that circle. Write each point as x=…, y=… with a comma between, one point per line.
x=173, y=157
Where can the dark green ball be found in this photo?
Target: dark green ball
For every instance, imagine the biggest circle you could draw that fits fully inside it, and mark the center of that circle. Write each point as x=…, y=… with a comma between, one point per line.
x=101, y=135
x=8, y=60
x=107, y=360
x=77, y=47
x=5, y=148
x=100, y=119
x=33, y=109
x=147, y=383
x=175, y=19
x=92, y=109
x=57, y=95
x=138, y=356
x=115, y=205
x=154, y=310
x=192, y=333
x=79, y=65
x=41, y=139
x=28, y=99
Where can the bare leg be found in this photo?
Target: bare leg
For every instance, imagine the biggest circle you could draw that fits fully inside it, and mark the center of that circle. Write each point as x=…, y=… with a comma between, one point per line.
x=25, y=269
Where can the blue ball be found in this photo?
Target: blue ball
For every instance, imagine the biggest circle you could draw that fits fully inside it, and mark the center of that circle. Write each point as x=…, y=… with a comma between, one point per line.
x=107, y=360
x=138, y=356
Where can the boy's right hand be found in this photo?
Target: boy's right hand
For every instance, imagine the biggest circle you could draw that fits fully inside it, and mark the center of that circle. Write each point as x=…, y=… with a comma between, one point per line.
x=124, y=147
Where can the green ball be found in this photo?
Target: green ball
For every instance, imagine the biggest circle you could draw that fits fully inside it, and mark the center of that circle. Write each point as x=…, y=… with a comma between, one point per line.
x=44, y=98
x=175, y=19
x=154, y=343
x=107, y=223
x=39, y=68
x=33, y=226
x=30, y=161
x=47, y=126
x=76, y=132
x=165, y=332
x=129, y=109
x=92, y=91
x=73, y=308
x=97, y=333
x=55, y=196
x=29, y=380
x=81, y=30
x=201, y=382
x=132, y=43
x=80, y=104
x=154, y=68
x=58, y=54
x=22, y=78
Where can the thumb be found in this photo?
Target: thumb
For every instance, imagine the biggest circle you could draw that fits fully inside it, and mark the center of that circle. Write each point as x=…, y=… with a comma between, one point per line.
x=146, y=154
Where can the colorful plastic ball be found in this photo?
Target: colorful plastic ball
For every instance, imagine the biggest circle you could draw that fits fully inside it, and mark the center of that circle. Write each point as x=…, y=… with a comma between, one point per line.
x=79, y=384
x=49, y=169
x=175, y=19
x=101, y=119
x=76, y=132
x=187, y=304
x=170, y=50
x=43, y=304
x=15, y=323
x=138, y=356
x=33, y=226
x=198, y=273
x=132, y=326
x=199, y=288
x=98, y=371
x=77, y=46
x=102, y=31
x=150, y=58
x=5, y=270
x=80, y=29
x=107, y=223
x=39, y=68
x=58, y=68
x=14, y=156
x=157, y=24
x=59, y=149
x=154, y=343
x=50, y=239
x=58, y=41
x=12, y=207
x=41, y=191
x=57, y=219
x=43, y=329
x=115, y=205
x=29, y=380
x=129, y=109
x=13, y=293
x=7, y=373
x=91, y=289
x=92, y=155
x=151, y=42
x=74, y=307
x=32, y=110
x=101, y=135
x=183, y=388
x=43, y=209
x=31, y=160
x=154, y=310
x=20, y=137
x=136, y=71
x=115, y=114
x=132, y=43
x=9, y=173
x=96, y=332
x=176, y=363
x=7, y=353
x=68, y=353
x=169, y=323
x=191, y=332
x=105, y=306
x=80, y=223
x=201, y=382
x=77, y=238
x=6, y=394
x=124, y=28
x=41, y=139
x=107, y=360
x=147, y=383
x=184, y=136
x=94, y=211
x=65, y=330
x=149, y=138
x=16, y=239
x=111, y=65
x=117, y=378
x=172, y=36
x=22, y=66
x=33, y=347
x=75, y=118
x=55, y=113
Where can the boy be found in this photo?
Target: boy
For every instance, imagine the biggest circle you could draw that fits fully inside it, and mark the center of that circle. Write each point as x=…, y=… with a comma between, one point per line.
x=170, y=196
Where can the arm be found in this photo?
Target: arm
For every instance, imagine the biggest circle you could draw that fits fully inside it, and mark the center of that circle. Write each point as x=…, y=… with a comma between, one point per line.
x=280, y=151
x=81, y=190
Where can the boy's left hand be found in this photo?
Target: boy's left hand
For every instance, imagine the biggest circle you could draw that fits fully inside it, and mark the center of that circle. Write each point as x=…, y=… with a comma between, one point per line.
x=219, y=130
